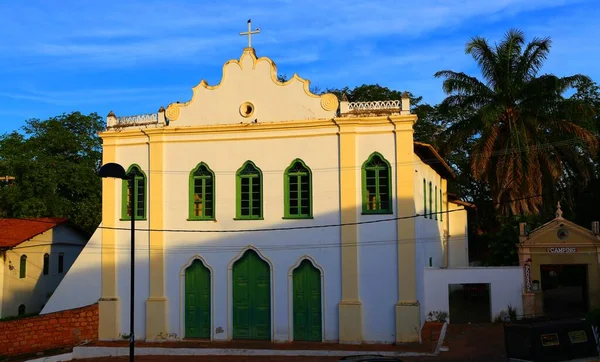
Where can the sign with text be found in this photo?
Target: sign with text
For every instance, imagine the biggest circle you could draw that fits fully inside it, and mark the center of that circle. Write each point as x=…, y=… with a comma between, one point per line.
x=528, y=277
x=562, y=250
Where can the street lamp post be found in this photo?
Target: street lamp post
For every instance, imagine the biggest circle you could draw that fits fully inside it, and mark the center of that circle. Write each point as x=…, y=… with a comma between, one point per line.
x=114, y=170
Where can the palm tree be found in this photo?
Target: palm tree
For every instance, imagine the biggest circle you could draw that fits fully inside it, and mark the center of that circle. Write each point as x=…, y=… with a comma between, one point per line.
x=527, y=137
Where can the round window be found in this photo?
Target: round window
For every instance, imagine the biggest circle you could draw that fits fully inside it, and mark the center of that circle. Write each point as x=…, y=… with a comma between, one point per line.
x=246, y=109
x=562, y=234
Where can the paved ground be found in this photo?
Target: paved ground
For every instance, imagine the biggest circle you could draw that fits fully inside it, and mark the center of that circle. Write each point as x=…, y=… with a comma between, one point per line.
x=472, y=343
x=466, y=343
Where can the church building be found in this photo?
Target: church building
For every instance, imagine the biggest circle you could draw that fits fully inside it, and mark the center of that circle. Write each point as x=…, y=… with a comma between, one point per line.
x=264, y=211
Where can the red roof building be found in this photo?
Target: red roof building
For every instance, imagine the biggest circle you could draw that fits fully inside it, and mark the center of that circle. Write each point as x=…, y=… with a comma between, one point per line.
x=15, y=231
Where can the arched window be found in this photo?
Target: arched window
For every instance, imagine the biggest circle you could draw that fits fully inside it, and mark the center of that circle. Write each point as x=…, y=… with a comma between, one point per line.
x=376, y=189
x=139, y=193
x=61, y=262
x=46, y=263
x=425, y=198
x=298, y=191
x=436, y=203
x=441, y=206
x=249, y=192
x=23, y=267
x=22, y=310
x=430, y=199
x=202, y=193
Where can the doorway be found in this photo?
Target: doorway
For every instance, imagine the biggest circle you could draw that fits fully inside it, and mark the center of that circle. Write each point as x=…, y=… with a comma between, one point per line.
x=197, y=301
x=307, y=302
x=470, y=303
x=565, y=288
x=251, y=297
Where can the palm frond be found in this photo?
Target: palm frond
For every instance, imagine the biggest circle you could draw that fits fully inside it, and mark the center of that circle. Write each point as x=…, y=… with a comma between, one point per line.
x=483, y=151
x=533, y=57
x=487, y=59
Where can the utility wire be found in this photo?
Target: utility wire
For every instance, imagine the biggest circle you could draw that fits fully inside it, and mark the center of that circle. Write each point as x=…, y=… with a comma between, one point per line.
x=513, y=150
x=308, y=226
x=216, y=248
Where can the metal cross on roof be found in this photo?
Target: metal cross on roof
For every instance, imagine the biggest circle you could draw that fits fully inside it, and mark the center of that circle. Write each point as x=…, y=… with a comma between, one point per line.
x=250, y=32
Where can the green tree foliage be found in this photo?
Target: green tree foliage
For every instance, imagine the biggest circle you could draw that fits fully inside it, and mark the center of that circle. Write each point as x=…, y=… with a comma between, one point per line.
x=528, y=138
x=55, y=164
x=586, y=198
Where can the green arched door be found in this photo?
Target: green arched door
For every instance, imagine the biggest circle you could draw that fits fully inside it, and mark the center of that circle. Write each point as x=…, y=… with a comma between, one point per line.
x=197, y=301
x=251, y=298
x=307, y=302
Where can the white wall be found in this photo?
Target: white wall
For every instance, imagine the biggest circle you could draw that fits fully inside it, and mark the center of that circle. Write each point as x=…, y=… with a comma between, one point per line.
x=429, y=232
x=81, y=284
x=282, y=249
x=378, y=251
x=127, y=156
x=378, y=284
x=458, y=237
x=505, y=287
x=36, y=288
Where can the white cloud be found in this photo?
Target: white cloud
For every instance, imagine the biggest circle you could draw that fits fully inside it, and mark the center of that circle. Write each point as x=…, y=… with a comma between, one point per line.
x=332, y=43
x=116, y=33
x=92, y=96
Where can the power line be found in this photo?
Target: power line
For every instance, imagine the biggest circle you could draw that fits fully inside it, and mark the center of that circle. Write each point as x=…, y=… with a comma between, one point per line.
x=280, y=228
x=317, y=226
x=216, y=248
x=430, y=161
x=312, y=226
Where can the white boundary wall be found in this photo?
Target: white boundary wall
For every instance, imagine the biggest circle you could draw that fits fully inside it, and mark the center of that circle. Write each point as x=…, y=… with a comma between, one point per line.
x=506, y=285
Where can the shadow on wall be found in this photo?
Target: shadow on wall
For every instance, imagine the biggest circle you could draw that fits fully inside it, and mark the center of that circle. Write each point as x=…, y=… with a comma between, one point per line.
x=81, y=286
x=375, y=269
x=34, y=269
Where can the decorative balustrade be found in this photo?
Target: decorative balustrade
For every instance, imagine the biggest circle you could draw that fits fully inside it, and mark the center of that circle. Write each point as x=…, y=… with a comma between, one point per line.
x=374, y=108
x=139, y=119
x=374, y=105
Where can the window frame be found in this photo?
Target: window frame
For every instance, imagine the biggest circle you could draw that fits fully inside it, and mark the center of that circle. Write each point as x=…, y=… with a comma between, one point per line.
x=424, y=198
x=286, y=190
x=61, y=263
x=46, y=264
x=430, y=199
x=436, y=202
x=23, y=267
x=238, y=193
x=192, y=180
x=125, y=199
x=364, y=168
x=441, y=205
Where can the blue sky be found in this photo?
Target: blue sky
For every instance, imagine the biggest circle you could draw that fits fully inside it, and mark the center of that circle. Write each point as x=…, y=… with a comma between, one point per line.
x=133, y=56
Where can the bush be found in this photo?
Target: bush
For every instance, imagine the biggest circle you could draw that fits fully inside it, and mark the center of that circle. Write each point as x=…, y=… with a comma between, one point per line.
x=437, y=316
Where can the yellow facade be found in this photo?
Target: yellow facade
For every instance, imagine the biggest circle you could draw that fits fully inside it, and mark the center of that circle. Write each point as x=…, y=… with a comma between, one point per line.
x=558, y=242
x=306, y=116
x=108, y=305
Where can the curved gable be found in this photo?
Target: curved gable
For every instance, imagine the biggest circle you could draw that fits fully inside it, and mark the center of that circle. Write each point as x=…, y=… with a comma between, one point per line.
x=250, y=92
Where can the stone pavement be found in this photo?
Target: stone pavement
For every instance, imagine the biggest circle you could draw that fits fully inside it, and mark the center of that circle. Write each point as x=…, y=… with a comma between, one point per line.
x=466, y=343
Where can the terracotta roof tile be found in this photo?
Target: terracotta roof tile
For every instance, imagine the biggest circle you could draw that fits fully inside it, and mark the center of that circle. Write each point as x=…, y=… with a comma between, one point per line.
x=15, y=231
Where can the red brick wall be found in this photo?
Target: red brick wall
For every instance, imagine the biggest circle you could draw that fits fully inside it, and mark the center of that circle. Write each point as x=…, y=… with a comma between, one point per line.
x=55, y=330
